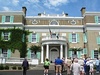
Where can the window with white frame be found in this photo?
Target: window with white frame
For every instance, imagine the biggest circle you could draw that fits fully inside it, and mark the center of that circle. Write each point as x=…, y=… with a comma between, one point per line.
x=7, y=19
x=98, y=19
x=53, y=35
x=53, y=22
x=32, y=54
x=6, y=35
x=73, y=37
x=95, y=53
x=4, y=52
x=33, y=37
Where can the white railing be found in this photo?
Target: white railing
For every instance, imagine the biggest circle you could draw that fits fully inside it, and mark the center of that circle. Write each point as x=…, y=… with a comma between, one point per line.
x=13, y=60
x=53, y=38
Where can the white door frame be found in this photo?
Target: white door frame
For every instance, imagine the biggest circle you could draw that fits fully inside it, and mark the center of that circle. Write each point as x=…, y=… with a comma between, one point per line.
x=55, y=49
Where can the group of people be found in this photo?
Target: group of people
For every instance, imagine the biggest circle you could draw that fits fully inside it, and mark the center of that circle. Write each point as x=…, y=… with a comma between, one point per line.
x=82, y=66
x=76, y=66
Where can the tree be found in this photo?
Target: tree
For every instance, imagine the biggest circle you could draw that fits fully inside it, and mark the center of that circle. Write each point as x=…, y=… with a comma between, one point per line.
x=35, y=48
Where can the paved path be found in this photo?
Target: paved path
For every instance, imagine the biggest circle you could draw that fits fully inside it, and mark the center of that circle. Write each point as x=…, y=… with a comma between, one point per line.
x=30, y=72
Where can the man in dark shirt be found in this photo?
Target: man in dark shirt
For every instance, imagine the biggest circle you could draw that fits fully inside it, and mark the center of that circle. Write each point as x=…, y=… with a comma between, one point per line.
x=25, y=66
x=58, y=64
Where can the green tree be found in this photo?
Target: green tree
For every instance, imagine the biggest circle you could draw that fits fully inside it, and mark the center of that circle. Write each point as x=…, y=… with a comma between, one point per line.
x=35, y=48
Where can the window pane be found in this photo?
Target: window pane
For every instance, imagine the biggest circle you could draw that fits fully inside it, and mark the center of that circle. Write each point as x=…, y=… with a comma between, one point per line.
x=73, y=37
x=98, y=19
x=33, y=37
x=5, y=35
x=7, y=19
x=53, y=35
x=95, y=53
x=4, y=52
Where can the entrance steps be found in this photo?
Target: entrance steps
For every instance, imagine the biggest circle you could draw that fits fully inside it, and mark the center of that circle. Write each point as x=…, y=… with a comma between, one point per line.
x=40, y=67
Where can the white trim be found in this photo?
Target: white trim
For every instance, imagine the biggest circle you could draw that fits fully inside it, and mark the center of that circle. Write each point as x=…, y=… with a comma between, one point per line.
x=11, y=23
x=12, y=13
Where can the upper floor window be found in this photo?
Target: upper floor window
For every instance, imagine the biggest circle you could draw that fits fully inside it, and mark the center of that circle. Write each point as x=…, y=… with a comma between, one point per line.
x=74, y=37
x=53, y=22
x=33, y=37
x=5, y=36
x=99, y=19
x=7, y=19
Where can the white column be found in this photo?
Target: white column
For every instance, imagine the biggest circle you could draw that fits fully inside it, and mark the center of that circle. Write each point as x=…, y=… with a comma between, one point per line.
x=47, y=51
x=42, y=54
x=61, y=51
x=65, y=51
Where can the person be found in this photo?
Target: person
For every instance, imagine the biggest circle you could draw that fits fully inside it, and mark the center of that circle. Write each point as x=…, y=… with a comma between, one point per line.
x=81, y=62
x=97, y=65
x=87, y=67
x=46, y=66
x=25, y=66
x=68, y=63
x=63, y=65
x=58, y=64
x=91, y=67
x=75, y=67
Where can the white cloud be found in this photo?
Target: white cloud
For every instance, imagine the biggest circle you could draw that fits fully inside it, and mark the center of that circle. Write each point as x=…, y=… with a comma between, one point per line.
x=6, y=9
x=54, y=3
x=33, y=1
x=15, y=2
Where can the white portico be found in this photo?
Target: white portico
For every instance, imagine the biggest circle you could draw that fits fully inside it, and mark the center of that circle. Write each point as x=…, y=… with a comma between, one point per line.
x=51, y=48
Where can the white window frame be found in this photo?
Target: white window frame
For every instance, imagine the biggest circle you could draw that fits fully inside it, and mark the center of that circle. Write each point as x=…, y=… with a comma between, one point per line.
x=74, y=34
x=6, y=20
x=98, y=19
x=32, y=54
x=6, y=35
x=33, y=37
x=4, y=52
x=53, y=35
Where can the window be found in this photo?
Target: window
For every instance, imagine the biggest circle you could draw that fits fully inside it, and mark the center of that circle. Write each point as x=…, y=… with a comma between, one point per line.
x=32, y=54
x=4, y=52
x=53, y=35
x=33, y=37
x=73, y=37
x=53, y=22
x=99, y=19
x=7, y=19
x=95, y=53
x=5, y=36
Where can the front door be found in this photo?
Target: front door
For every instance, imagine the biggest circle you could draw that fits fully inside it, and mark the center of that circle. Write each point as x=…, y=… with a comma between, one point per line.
x=53, y=55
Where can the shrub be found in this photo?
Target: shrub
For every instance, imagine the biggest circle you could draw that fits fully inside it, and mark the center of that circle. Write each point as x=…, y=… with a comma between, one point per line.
x=14, y=68
x=1, y=67
x=6, y=67
x=19, y=68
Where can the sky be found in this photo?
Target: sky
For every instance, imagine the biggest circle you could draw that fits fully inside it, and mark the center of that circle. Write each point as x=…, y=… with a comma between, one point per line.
x=72, y=7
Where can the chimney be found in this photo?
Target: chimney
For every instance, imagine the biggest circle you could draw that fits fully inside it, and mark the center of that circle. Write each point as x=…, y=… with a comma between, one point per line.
x=39, y=14
x=83, y=9
x=24, y=9
x=66, y=14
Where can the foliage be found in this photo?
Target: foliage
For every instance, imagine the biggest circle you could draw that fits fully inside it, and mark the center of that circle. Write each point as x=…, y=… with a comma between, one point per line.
x=15, y=41
x=6, y=67
x=35, y=48
x=14, y=68
x=1, y=67
x=75, y=49
x=19, y=68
